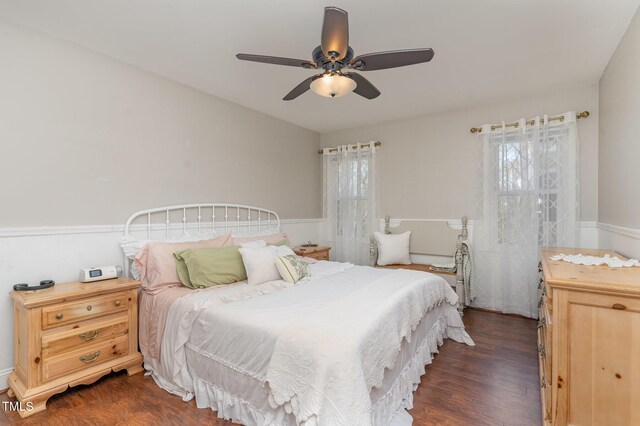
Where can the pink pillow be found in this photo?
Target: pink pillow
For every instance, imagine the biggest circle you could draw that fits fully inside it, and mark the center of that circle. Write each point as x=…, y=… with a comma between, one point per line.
x=157, y=266
x=269, y=238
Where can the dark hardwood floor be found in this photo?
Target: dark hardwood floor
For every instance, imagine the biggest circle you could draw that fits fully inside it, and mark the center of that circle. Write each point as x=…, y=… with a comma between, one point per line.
x=493, y=383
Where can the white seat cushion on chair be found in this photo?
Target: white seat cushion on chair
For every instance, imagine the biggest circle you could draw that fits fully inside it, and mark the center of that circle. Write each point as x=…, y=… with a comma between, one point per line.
x=393, y=248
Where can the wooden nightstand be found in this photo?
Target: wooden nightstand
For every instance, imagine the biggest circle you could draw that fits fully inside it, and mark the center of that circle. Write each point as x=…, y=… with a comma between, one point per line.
x=318, y=253
x=72, y=334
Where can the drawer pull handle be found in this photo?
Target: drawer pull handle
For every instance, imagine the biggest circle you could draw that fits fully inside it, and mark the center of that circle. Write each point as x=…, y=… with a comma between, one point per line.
x=59, y=316
x=619, y=306
x=118, y=302
x=89, y=307
x=89, y=335
x=90, y=357
x=543, y=382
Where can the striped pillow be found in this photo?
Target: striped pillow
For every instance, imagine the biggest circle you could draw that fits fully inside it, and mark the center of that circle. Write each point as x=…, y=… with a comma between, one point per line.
x=291, y=268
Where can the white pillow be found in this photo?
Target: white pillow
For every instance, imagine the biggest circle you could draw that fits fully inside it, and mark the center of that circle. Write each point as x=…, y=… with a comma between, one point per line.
x=393, y=248
x=259, y=262
x=254, y=244
x=131, y=246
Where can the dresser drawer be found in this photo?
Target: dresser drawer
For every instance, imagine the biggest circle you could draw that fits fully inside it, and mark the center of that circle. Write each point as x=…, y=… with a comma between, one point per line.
x=80, y=310
x=79, y=359
x=57, y=342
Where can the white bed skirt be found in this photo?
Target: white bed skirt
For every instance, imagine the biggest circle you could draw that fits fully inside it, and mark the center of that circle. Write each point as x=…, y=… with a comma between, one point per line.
x=389, y=409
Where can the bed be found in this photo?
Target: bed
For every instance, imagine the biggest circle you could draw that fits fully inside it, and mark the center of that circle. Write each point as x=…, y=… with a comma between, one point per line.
x=345, y=346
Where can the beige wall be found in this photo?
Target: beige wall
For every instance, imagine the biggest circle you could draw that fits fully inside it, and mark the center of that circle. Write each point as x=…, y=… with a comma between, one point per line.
x=85, y=139
x=427, y=164
x=619, y=151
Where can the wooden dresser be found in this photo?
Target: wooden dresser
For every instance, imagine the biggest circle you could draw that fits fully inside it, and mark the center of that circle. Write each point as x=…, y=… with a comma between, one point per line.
x=589, y=341
x=72, y=334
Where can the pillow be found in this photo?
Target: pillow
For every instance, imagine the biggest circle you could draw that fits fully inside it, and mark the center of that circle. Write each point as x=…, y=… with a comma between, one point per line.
x=277, y=239
x=156, y=263
x=132, y=246
x=206, y=267
x=254, y=244
x=292, y=268
x=393, y=248
x=260, y=265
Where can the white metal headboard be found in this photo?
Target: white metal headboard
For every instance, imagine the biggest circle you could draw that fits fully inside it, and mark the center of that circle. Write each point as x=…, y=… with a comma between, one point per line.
x=237, y=218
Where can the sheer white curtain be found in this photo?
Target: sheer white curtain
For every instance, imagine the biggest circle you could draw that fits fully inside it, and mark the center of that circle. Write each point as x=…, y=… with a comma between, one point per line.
x=528, y=196
x=350, y=200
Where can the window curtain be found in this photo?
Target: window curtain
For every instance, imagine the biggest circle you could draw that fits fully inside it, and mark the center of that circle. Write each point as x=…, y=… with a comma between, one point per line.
x=350, y=200
x=527, y=197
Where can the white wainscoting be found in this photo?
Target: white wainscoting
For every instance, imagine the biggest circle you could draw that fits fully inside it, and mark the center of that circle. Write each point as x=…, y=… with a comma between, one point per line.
x=58, y=253
x=624, y=240
x=588, y=237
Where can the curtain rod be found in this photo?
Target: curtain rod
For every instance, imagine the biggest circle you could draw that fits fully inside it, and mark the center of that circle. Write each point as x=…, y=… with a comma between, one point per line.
x=560, y=118
x=364, y=145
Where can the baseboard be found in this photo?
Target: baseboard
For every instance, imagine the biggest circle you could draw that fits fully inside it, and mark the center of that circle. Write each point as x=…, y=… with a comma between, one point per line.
x=493, y=311
x=4, y=379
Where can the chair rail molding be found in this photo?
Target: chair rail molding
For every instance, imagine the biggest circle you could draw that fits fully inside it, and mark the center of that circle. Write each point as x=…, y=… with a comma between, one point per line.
x=622, y=230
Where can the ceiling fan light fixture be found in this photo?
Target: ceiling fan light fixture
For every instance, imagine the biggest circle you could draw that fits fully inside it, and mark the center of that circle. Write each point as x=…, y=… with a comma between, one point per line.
x=335, y=55
x=333, y=85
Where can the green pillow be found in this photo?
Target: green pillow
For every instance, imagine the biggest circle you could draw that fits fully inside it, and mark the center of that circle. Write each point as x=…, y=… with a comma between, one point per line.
x=181, y=268
x=206, y=267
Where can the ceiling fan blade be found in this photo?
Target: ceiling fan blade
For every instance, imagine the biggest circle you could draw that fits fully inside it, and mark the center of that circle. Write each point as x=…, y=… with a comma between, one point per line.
x=275, y=60
x=300, y=88
x=364, y=87
x=335, y=33
x=392, y=59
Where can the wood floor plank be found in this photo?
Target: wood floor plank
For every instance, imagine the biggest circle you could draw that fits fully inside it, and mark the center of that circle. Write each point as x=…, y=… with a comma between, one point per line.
x=493, y=383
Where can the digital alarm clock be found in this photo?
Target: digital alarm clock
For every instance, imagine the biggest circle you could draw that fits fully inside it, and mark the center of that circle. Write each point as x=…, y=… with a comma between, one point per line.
x=97, y=274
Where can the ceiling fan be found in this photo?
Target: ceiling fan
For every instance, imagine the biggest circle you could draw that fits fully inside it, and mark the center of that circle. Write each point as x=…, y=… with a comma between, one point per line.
x=335, y=55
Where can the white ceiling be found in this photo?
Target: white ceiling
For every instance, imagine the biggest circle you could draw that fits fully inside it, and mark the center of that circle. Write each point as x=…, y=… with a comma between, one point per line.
x=485, y=51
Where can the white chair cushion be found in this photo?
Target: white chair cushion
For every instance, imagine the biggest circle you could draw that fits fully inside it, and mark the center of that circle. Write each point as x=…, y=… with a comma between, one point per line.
x=393, y=248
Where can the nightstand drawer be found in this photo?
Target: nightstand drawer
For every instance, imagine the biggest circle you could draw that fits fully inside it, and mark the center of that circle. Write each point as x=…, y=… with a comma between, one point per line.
x=54, y=343
x=64, y=313
x=321, y=256
x=89, y=356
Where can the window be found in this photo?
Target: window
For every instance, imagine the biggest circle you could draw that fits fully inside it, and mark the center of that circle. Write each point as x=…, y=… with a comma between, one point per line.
x=527, y=182
x=350, y=201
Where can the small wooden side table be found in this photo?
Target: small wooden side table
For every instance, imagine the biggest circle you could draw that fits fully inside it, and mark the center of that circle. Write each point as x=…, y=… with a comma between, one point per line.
x=318, y=253
x=72, y=334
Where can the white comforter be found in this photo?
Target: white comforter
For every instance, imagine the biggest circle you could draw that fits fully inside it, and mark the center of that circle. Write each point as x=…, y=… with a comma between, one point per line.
x=320, y=346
